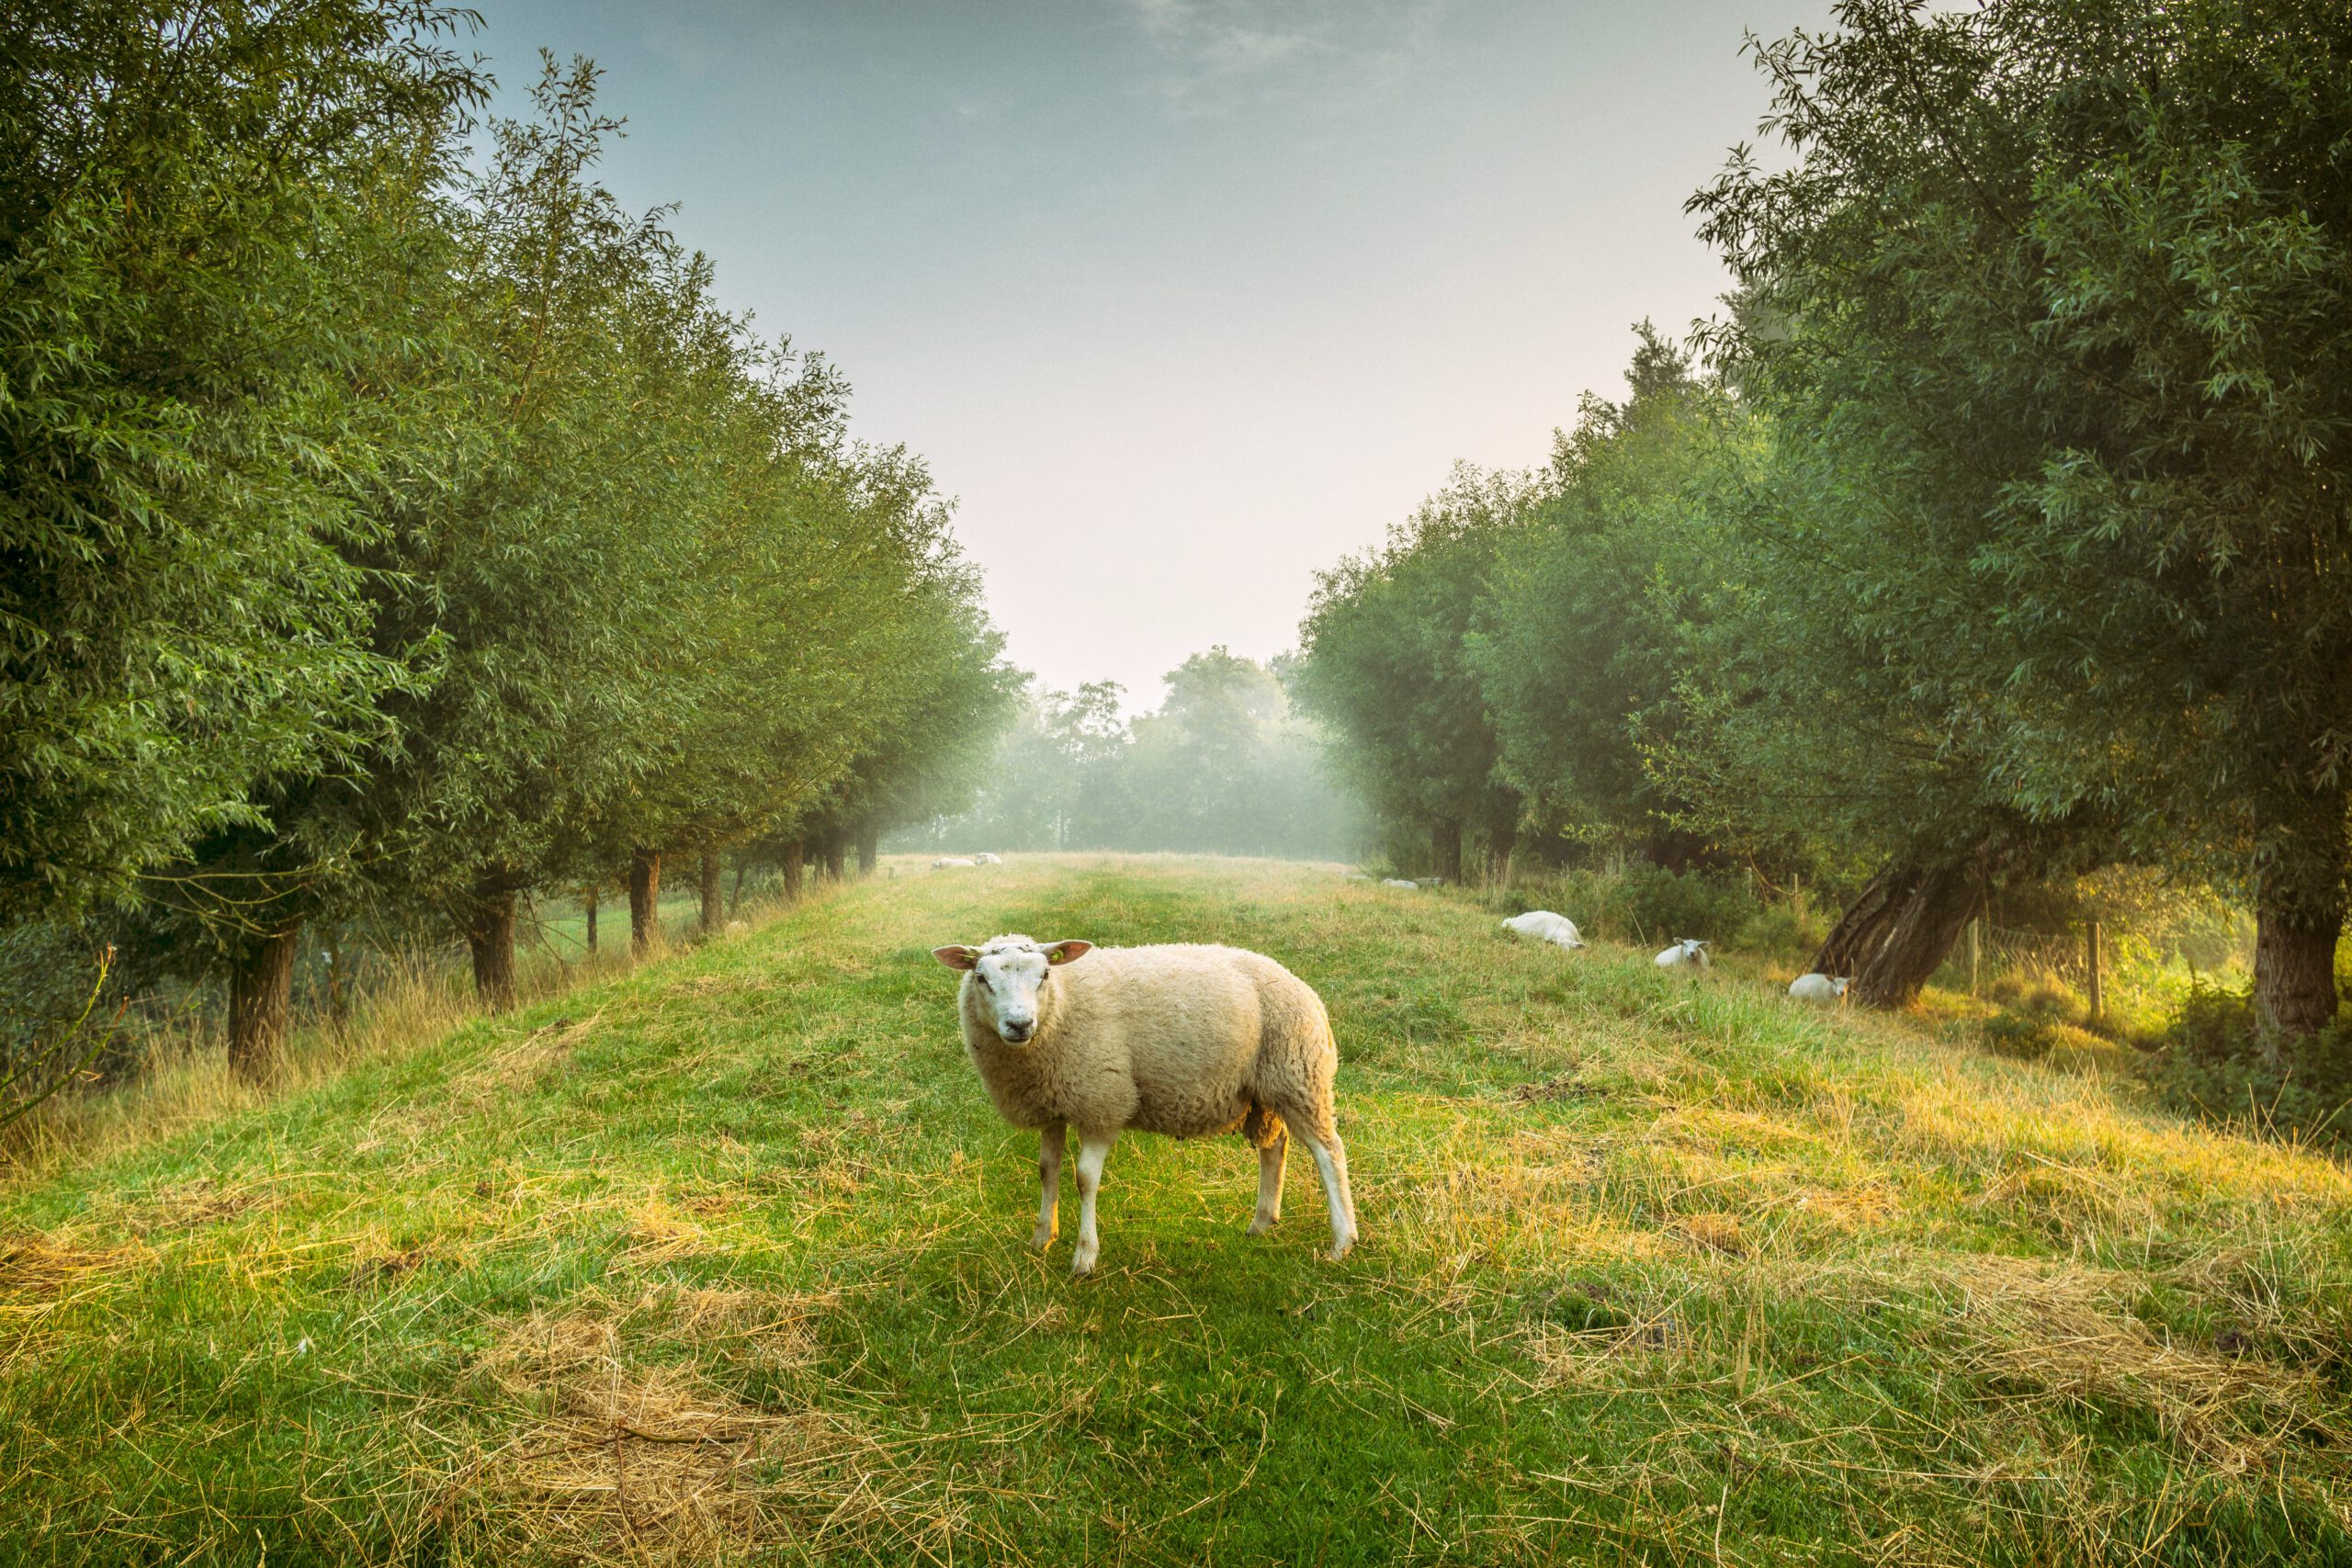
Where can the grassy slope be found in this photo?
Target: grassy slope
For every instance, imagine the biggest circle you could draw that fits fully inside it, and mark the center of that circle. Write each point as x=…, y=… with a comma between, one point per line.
x=726, y=1258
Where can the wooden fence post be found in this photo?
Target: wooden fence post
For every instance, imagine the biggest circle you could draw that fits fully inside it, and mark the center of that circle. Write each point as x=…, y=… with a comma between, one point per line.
x=2098, y=1000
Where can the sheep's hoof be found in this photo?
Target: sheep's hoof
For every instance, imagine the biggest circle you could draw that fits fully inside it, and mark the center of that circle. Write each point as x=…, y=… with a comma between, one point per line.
x=1260, y=1226
x=1341, y=1246
x=1042, y=1237
x=1082, y=1265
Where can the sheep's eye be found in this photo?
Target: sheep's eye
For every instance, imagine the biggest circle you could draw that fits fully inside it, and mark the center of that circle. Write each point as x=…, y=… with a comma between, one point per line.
x=983, y=979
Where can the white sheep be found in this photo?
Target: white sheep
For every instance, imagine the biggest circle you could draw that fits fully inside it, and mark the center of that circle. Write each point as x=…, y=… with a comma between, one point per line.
x=1400, y=882
x=1182, y=1040
x=948, y=863
x=1687, y=953
x=1545, y=926
x=987, y=859
x=1819, y=989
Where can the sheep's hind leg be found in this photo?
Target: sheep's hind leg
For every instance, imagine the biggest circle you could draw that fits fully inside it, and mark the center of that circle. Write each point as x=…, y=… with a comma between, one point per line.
x=1091, y=1152
x=1322, y=1140
x=1270, y=1184
x=1050, y=1144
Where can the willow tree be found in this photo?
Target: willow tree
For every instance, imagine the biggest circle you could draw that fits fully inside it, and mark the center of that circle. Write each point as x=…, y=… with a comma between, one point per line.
x=2065, y=285
x=1383, y=664
x=193, y=216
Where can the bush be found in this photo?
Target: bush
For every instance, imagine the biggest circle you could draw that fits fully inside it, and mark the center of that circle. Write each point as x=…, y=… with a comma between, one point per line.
x=2207, y=1065
x=1652, y=903
x=1780, y=930
x=2027, y=1036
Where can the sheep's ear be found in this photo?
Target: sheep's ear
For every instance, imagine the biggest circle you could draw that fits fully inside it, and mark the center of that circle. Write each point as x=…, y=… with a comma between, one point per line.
x=1064, y=952
x=956, y=957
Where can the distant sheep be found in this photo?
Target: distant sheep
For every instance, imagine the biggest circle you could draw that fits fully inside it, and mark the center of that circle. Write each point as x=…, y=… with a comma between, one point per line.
x=1182, y=1040
x=948, y=863
x=1400, y=882
x=1545, y=926
x=987, y=859
x=1688, y=953
x=1819, y=989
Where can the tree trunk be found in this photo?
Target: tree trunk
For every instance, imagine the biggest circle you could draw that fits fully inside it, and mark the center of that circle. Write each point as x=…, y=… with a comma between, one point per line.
x=735, y=894
x=644, y=901
x=2294, y=974
x=1502, y=840
x=796, y=853
x=588, y=906
x=490, y=933
x=1862, y=930
x=261, y=1003
x=836, y=851
x=869, y=849
x=714, y=908
x=1446, y=850
x=338, y=981
x=1920, y=937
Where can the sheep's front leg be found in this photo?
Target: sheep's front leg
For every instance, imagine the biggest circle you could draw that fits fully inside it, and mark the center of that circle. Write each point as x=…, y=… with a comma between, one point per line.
x=1091, y=1152
x=1269, y=1185
x=1050, y=1145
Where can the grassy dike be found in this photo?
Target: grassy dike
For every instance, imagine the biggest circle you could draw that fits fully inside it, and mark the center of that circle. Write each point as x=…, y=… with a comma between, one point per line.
x=725, y=1259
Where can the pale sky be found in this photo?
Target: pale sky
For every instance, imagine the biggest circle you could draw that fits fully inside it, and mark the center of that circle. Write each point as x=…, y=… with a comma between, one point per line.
x=1182, y=300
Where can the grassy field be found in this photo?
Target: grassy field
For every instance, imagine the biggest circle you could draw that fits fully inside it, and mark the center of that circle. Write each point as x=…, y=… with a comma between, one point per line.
x=725, y=1259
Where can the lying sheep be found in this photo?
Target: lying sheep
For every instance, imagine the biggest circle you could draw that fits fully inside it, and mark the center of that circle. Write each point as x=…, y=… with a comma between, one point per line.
x=1400, y=882
x=945, y=863
x=987, y=859
x=1688, y=952
x=1819, y=989
x=1180, y=1039
x=1545, y=926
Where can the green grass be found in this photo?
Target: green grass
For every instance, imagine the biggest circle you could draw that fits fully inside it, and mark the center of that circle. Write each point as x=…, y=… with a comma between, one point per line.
x=725, y=1259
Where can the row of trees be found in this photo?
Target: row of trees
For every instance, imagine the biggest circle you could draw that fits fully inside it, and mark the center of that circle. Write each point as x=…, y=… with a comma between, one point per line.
x=2012, y=534
x=394, y=519
x=1223, y=766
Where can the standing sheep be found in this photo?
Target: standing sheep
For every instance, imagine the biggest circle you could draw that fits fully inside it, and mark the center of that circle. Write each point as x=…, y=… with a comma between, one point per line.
x=1688, y=953
x=1180, y=1039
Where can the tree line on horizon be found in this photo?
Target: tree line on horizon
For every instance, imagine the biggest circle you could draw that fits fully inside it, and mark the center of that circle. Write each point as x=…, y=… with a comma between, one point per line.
x=2000, y=531
x=1223, y=766
x=395, y=522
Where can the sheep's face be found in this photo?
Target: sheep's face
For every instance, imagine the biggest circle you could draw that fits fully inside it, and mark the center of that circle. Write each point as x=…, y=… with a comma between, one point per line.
x=1005, y=981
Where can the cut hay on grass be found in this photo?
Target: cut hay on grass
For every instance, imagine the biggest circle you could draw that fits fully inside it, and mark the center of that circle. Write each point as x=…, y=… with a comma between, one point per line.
x=2048, y=1332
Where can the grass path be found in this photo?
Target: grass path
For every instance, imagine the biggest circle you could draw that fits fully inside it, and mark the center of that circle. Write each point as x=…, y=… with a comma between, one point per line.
x=724, y=1260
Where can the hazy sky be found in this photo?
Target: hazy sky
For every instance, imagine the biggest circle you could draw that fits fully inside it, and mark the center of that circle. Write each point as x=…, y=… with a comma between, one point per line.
x=1182, y=299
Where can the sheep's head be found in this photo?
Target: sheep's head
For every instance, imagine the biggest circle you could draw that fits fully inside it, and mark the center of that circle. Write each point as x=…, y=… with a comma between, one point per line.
x=1005, y=979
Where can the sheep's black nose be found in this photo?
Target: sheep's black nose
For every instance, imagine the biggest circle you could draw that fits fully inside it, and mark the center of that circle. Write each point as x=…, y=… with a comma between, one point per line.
x=1016, y=1033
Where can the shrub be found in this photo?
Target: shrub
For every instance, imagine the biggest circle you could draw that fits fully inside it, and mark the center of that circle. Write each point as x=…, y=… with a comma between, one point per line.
x=2025, y=1036
x=2207, y=1065
x=1652, y=903
x=1780, y=930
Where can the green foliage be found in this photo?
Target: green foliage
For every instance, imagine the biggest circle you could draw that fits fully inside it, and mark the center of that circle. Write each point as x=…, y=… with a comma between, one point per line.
x=198, y=212
x=2211, y=1064
x=2051, y=310
x=1384, y=663
x=1222, y=766
x=1578, y=636
x=2027, y=1036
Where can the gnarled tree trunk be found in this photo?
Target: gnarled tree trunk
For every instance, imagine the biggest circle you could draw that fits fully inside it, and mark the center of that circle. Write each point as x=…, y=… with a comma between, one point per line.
x=644, y=901
x=1921, y=936
x=795, y=855
x=835, y=846
x=714, y=908
x=869, y=849
x=1900, y=928
x=490, y=935
x=261, y=1003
